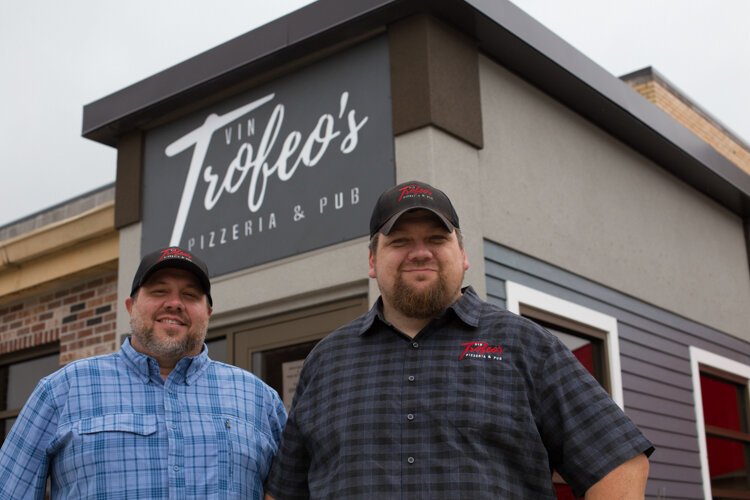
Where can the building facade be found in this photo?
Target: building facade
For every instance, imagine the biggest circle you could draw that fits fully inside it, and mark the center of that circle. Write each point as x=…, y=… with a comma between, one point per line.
x=58, y=292
x=583, y=206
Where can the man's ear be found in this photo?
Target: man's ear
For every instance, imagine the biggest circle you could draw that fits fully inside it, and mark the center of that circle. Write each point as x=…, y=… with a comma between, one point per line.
x=129, y=304
x=371, y=262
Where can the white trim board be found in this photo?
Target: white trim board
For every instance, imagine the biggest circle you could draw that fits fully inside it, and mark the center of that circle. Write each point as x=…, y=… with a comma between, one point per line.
x=701, y=357
x=519, y=294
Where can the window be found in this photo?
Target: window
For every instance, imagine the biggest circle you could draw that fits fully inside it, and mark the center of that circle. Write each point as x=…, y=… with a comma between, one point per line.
x=720, y=386
x=19, y=374
x=586, y=343
x=590, y=335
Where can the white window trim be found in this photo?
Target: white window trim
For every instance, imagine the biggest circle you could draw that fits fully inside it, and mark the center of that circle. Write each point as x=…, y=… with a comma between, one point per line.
x=700, y=357
x=518, y=294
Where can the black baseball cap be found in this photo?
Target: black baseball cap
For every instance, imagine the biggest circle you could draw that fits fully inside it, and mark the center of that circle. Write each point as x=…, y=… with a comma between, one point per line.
x=172, y=257
x=411, y=195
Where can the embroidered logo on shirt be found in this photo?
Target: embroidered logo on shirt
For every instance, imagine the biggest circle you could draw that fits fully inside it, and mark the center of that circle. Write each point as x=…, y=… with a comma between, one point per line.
x=481, y=350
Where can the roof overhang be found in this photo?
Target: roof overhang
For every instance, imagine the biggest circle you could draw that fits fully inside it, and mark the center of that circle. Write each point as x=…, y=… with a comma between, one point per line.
x=501, y=30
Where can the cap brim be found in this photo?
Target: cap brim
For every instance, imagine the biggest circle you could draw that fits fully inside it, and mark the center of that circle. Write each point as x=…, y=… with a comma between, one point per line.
x=388, y=226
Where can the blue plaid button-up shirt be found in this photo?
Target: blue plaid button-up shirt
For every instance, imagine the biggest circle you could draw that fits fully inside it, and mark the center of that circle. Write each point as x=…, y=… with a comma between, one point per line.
x=482, y=403
x=110, y=427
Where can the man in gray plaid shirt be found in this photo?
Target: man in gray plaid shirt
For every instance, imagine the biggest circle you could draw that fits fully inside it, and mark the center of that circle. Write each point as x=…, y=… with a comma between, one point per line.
x=435, y=393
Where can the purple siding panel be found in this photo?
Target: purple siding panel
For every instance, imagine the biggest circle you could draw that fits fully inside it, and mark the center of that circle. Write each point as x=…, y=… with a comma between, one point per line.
x=654, y=359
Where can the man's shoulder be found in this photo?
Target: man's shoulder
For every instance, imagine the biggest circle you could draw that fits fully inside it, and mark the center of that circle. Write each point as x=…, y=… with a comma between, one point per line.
x=489, y=312
x=93, y=364
x=225, y=371
x=342, y=337
x=494, y=319
x=346, y=332
x=82, y=371
x=247, y=389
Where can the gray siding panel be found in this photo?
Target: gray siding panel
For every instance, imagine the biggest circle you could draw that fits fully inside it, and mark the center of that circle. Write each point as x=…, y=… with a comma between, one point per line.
x=678, y=425
x=645, y=354
x=654, y=358
x=658, y=389
x=677, y=457
x=662, y=438
x=673, y=490
x=636, y=366
x=651, y=404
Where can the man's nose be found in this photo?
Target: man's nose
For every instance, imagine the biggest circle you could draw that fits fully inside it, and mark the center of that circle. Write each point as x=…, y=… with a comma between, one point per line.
x=420, y=251
x=174, y=301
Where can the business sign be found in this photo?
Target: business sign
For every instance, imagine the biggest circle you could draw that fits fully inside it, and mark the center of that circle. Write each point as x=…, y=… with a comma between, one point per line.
x=291, y=166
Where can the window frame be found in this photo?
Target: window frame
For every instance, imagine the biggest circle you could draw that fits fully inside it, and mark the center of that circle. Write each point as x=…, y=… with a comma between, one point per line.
x=712, y=364
x=17, y=357
x=520, y=298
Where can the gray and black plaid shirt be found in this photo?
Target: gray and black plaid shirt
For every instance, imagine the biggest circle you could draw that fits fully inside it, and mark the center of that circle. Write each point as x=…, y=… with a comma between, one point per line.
x=480, y=404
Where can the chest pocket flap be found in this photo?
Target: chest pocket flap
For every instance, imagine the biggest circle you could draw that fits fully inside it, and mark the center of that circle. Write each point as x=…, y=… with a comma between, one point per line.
x=143, y=425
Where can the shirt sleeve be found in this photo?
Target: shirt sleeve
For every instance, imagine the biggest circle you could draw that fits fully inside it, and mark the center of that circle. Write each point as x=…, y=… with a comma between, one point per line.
x=288, y=476
x=277, y=418
x=24, y=459
x=586, y=434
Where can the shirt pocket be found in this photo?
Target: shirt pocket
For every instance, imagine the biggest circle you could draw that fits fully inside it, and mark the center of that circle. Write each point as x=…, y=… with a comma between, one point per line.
x=250, y=451
x=486, y=395
x=111, y=445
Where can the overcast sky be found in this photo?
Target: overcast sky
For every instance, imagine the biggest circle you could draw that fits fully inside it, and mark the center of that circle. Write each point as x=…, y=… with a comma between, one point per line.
x=58, y=56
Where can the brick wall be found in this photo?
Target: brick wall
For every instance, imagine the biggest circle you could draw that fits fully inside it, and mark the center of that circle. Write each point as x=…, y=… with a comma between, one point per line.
x=81, y=317
x=693, y=120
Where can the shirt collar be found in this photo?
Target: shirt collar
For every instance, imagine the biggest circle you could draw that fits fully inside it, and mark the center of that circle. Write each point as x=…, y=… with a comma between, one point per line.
x=467, y=309
x=187, y=371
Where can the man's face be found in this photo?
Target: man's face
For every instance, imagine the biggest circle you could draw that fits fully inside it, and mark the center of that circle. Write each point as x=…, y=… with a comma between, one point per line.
x=169, y=315
x=419, y=266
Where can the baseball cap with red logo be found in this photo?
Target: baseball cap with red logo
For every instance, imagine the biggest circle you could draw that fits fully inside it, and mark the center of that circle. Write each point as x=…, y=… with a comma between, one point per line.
x=411, y=195
x=172, y=257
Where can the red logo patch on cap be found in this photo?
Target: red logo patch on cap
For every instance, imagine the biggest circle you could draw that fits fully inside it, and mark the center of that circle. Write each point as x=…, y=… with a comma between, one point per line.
x=414, y=190
x=171, y=253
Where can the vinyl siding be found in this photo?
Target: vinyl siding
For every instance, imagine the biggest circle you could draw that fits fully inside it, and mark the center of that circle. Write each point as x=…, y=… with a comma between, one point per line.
x=655, y=361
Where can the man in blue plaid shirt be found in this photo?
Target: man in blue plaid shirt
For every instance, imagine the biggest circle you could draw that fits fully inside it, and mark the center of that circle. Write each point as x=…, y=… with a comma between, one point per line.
x=435, y=393
x=159, y=418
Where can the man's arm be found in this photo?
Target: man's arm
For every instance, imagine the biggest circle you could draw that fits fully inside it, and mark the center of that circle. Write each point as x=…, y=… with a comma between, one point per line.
x=625, y=482
x=23, y=458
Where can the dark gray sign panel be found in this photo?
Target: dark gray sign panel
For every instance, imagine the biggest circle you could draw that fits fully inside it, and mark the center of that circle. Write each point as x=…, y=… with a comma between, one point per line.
x=291, y=166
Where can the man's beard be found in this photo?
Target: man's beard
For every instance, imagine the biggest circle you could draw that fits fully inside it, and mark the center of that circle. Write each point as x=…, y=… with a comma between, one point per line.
x=167, y=347
x=421, y=304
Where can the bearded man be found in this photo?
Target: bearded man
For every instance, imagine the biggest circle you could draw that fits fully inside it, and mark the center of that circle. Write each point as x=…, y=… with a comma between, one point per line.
x=157, y=419
x=390, y=406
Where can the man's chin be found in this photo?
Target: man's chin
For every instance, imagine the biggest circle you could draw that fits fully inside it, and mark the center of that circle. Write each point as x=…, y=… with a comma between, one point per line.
x=169, y=330
x=422, y=286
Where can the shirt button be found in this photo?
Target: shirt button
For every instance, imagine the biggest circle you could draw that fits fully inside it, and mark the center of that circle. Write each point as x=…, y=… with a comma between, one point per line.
x=415, y=345
x=176, y=468
x=410, y=417
x=173, y=426
x=411, y=378
x=410, y=460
